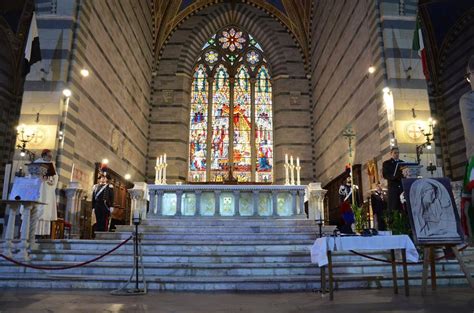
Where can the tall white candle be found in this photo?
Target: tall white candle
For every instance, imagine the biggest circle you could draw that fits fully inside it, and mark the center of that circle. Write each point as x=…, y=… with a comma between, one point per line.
x=164, y=158
x=297, y=161
x=157, y=160
x=291, y=160
x=161, y=159
x=286, y=158
x=72, y=172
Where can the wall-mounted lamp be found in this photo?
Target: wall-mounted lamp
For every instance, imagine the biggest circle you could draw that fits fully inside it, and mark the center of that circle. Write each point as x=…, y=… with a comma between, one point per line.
x=429, y=137
x=25, y=137
x=67, y=93
x=84, y=72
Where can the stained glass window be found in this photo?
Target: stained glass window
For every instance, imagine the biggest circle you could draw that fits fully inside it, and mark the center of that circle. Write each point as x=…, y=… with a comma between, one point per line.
x=198, y=126
x=239, y=125
x=263, y=126
x=220, y=125
x=242, y=125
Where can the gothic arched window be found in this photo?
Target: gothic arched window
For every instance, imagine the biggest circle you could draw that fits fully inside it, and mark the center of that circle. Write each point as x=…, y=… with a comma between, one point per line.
x=231, y=125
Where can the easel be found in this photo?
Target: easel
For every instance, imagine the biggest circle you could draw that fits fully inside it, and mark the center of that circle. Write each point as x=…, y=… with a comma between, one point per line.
x=429, y=260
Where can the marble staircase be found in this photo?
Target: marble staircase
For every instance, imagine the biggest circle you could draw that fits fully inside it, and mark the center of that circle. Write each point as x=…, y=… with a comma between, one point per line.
x=199, y=254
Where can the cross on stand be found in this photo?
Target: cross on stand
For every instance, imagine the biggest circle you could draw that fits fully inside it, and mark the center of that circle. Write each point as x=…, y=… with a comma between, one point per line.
x=349, y=134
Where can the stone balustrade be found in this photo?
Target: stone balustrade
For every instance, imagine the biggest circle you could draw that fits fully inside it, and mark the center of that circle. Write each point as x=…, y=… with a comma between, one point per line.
x=226, y=200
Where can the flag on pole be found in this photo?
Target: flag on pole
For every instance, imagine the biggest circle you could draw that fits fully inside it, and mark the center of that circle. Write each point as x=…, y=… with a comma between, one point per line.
x=418, y=45
x=32, y=48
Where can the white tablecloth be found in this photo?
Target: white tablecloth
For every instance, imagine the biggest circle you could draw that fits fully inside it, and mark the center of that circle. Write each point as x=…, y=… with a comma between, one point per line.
x=322, y=245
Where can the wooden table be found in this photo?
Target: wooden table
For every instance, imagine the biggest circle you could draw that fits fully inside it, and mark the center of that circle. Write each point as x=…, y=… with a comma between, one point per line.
x=324, y=248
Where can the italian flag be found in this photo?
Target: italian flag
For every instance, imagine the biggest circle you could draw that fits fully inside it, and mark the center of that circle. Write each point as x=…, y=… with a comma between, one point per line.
x=419, y=46
x=467, y=202
x=32, y=48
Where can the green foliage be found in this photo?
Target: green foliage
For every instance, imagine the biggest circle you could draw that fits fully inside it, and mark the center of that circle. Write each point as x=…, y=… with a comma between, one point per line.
x=397, y=222
x=360, y=216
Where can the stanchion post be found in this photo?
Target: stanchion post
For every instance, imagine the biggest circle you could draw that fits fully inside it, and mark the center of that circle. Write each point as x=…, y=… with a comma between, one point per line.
x=136, y=222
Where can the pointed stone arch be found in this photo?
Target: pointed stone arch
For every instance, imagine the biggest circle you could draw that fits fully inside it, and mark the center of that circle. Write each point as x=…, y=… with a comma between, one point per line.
x=169, y=119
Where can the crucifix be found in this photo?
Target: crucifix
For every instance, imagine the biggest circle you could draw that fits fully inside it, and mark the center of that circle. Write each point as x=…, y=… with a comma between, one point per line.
x=349, y=134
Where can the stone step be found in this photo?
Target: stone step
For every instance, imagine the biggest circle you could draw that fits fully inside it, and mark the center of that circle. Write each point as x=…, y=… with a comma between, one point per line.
x=210, y=236
x=228, y=222
x=221, y=229
x=228, y=283
x=183, y=245
x=218, y=269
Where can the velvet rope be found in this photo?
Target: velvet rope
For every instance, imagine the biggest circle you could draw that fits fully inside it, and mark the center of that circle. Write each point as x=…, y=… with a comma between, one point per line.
x=69, y=266
x=401, y=263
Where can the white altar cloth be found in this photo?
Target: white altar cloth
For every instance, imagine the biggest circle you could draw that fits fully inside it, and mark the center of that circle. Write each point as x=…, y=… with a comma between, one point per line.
x=322, y=245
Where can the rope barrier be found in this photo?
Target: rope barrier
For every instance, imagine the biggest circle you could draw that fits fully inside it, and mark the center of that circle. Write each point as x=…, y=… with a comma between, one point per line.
x=69, y=266
x=401, y=263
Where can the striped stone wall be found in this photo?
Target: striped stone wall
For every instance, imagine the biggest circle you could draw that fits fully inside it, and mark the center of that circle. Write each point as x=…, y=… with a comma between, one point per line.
x=448, y=86
x=348, y=37
x=12, y=42
x=345, y=44
x=107, y=114
x=169, y=122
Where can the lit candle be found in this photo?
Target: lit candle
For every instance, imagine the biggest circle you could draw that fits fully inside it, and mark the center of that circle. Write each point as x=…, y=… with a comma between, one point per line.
x=297, y=161
x=291, y=160
x=72, y=172
x=286, y=158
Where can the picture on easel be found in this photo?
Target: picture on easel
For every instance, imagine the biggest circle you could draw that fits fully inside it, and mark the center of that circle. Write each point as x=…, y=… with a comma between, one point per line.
x=432, y=211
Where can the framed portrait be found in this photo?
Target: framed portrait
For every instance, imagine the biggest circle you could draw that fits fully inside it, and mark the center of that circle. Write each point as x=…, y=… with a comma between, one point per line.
x=372, y=173
x=432, y=211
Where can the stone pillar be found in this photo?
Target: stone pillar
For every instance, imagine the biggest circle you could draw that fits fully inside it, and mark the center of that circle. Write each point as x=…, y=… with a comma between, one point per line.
x=294, y=211
x=179, y=200
x=138, y=195
x=255, y=195
x=301, y=211
x=275, y=202
x=28, y=227
x=198, y=202
x=74, y=194
x=152, y=197
x=10, y=231
x=217, y=197
x=159, y=202
x=237, y=203
x=316, y=201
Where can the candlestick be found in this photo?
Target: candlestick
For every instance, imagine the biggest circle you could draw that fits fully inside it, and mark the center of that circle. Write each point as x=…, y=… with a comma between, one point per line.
x=298, y=172
x=287, y=178
x=158, y=168
x=164, y=173
x=72, y=172
x=292, y=173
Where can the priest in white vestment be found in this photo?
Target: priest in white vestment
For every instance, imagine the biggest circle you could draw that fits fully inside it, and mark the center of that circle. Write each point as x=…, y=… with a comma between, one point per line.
x=48, y=212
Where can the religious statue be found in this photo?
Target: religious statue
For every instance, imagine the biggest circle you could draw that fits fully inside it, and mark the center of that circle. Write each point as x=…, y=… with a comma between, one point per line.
x=466, y=107
x=47, y=212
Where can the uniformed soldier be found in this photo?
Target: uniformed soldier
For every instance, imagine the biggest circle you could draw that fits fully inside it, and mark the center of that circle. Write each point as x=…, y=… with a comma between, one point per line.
x=102, y=201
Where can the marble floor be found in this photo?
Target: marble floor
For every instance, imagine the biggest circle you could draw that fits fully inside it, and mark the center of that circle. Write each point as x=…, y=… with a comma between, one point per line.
x=444, y=300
